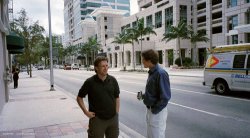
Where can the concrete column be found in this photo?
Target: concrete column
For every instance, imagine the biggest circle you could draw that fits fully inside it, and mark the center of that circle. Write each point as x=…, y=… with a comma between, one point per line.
x=119, y=59
x=164, y=58
x=113, y=60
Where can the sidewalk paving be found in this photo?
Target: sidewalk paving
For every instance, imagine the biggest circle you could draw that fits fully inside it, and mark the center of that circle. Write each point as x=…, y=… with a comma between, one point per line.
x=35, y=112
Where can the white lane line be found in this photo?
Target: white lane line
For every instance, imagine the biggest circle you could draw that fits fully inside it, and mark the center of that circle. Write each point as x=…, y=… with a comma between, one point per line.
x=189, y=91
x=198, y=110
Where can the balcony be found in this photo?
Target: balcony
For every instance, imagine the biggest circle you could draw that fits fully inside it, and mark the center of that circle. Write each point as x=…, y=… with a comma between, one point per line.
x=216, y=21
x=218, y=6
x=202, y=11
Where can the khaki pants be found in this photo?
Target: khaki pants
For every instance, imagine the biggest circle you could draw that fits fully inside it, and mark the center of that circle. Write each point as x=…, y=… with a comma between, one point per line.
x=156, y=123
x=99, y=127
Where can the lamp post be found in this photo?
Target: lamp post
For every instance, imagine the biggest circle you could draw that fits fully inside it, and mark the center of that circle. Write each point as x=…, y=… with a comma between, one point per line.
x=50, y=54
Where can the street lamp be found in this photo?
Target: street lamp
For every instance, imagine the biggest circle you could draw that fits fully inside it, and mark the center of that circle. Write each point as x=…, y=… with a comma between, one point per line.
x=50, y=48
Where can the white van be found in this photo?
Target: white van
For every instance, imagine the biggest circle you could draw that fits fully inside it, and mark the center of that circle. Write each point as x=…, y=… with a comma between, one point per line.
x=228, y=68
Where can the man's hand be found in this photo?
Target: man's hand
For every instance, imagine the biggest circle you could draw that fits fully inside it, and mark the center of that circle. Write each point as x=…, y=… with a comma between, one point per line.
x=90, y=114
x=139, y=95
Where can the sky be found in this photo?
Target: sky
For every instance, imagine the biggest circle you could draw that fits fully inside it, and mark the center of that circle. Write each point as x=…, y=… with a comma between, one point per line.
x=37, y=10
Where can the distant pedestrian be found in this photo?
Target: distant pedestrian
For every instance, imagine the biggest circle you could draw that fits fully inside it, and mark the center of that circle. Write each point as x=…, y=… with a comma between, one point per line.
x=157, y=95
x=103, y=99
x=15, y=77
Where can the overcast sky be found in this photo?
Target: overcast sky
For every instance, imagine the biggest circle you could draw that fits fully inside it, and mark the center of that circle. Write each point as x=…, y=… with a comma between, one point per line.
x=38, y=10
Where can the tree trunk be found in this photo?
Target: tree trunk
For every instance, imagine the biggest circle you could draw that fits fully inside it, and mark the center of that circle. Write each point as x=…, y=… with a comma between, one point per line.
x=30, y=70
x=179, y=48
x=141, y=52
x=133, y=58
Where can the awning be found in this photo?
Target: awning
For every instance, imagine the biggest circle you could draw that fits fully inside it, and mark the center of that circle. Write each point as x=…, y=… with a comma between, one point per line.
x=14, y=43
x=80, y=57
x=102, y=54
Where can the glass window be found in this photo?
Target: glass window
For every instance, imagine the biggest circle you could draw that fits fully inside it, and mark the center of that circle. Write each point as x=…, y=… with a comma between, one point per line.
x=113, y=1
x=123, y=8
x=239, y=61
x=234, y=39
x=233, y=22
x=123, y=1
x=248, y=17
x=248, y=62
x=168, y=18
x=183, y=13
x=247, y=1
x=158, y=19
x=149, y=21
x=232, y=3
x=134, y=24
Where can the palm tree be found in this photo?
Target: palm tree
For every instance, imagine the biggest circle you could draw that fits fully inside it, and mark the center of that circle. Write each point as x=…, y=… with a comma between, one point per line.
x=199, y=36
x=90, y=47
x=122, y=38
x=177, y=32
x=141, y=31
x=132, y=36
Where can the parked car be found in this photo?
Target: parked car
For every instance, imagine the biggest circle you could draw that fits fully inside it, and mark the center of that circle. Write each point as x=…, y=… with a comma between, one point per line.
x=40, y=68
x=67, y=67
x=91, y=68
x=75, y=66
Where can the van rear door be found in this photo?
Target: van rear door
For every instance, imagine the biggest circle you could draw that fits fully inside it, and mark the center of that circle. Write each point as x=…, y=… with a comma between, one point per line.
x=239, y=72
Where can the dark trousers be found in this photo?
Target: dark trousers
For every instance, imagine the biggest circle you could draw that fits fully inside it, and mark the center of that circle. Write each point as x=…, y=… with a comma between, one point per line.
x=98, y=128
x=15, y=83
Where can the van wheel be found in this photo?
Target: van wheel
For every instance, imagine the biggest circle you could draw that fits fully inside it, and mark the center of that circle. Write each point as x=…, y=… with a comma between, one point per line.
x=221, y=87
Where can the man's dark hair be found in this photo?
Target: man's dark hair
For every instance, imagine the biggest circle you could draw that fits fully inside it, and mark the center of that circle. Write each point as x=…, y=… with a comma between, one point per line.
x=151, y=55
x=99, y=59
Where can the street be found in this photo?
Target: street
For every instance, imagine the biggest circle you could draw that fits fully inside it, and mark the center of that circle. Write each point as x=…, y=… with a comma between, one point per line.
x=194, y=111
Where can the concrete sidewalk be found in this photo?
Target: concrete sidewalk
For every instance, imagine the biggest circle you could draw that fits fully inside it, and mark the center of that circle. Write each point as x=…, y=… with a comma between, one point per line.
x=35, y=112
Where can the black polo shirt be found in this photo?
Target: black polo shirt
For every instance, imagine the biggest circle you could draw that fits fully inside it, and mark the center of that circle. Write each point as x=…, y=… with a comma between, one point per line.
x=101, y=95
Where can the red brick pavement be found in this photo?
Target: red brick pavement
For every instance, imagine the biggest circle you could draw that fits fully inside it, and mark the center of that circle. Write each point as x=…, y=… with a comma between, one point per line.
x=48, y=131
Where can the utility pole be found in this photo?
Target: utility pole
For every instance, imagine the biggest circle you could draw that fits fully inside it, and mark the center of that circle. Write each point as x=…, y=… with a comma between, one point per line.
x=50, y=48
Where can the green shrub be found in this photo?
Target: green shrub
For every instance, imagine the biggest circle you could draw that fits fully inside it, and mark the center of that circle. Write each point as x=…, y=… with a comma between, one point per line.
x=185, y=61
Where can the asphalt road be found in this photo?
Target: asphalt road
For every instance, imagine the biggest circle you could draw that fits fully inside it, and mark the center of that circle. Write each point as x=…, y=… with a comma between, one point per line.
x=194, y=111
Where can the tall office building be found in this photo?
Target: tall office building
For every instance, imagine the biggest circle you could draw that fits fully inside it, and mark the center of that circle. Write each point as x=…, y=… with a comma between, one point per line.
x=225, y=21
x=77, y=10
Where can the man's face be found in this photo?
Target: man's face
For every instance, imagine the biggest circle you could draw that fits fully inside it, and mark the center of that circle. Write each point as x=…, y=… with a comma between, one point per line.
x=145, y=63
x=102, y=68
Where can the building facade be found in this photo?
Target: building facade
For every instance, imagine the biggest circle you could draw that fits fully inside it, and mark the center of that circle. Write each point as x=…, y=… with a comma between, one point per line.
x=225, y=22
x=76, y=10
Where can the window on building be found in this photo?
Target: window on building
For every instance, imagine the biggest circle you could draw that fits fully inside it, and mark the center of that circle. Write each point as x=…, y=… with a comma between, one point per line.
x=123, y=8
x=215, y=2
x=158, y=19
x=232, y=3
x=149, y=21
x=106, y=36
x=106, y=27
x=148, y=38
x=239, y=61
x=247, y=1
x=134, y=24
x=247, y=17
x=234, y=39
x=168, y=18
x=123, y=1
x=105, y=18
x=112, y=1
x=91, y=4
x=183, y=13
x=217, y=29
x=233, y=22
x=247, y=36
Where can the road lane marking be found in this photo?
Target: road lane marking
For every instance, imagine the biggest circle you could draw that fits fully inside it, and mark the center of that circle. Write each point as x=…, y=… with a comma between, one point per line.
x=198, y=110
x=177, y=90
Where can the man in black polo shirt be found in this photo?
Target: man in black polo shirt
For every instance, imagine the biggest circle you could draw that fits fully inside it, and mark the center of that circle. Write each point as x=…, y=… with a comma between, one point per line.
x=104, y=103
